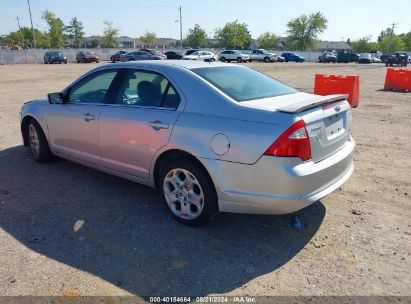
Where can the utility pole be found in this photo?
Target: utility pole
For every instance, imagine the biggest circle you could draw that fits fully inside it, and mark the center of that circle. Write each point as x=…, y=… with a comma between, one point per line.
x=18, y=23
x=181, y=28
x=392, y=32
x=32, y=28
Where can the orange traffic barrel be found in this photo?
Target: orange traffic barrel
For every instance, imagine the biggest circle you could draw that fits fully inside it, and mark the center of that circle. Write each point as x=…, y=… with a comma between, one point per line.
x=398, y=80
x=339, y=84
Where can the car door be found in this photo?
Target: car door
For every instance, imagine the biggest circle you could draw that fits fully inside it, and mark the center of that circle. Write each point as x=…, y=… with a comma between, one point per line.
x=72, y=125
x=139, y=122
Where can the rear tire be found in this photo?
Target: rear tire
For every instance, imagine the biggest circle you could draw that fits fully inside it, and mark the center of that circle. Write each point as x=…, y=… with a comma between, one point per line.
x=38, y=142
x=222, y=59
x=188, y=192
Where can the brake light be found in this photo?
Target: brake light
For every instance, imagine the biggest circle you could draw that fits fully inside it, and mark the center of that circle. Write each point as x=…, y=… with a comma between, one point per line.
x=294, y=142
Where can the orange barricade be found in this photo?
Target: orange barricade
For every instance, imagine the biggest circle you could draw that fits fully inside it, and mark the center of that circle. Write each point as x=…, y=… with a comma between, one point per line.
x=398, y=79
x=339, y=84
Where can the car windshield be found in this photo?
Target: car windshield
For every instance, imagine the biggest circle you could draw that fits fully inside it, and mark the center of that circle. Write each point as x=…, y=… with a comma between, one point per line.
x=265, y=51
x=195, y=53
x=89, y=53
x=243, y=84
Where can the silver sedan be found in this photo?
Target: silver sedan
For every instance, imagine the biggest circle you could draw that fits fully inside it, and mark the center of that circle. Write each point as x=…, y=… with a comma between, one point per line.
x=209, y=136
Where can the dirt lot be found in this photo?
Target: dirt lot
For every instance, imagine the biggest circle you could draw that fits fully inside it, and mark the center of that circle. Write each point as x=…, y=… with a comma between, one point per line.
x=70, y=230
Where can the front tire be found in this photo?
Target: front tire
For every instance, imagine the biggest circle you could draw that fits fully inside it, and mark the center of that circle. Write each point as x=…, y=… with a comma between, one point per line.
x=188, y=192
x=38, y=143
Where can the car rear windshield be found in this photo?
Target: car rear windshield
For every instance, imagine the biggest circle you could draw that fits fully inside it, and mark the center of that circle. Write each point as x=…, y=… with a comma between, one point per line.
x=243, y=84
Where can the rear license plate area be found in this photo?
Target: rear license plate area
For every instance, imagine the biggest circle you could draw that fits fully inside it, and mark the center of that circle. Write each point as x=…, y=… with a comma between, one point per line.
x=334, y=125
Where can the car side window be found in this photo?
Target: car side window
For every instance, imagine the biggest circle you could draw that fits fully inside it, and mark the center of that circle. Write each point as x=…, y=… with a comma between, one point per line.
x=94, y=89
x=147, y=89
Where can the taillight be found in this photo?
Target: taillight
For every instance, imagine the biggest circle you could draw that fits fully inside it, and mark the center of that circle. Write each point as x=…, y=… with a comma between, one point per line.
x=294, y=142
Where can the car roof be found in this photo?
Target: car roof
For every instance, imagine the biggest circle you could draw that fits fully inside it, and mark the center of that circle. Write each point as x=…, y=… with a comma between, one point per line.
x=164, y=64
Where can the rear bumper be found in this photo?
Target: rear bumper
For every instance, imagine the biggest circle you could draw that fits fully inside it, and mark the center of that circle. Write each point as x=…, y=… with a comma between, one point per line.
x=276, y=185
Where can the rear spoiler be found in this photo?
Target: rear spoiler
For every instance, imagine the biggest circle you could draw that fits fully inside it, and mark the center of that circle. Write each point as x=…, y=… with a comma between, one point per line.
x=311, y=103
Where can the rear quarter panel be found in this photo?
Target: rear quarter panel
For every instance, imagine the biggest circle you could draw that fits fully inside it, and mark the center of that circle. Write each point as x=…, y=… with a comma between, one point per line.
x=248, y=140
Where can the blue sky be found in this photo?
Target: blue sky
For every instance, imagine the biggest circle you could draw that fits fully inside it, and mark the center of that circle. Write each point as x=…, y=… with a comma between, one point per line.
x=346, y=18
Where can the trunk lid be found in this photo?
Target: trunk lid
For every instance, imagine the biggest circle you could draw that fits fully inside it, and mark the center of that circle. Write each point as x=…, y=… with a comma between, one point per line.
x=328, y=119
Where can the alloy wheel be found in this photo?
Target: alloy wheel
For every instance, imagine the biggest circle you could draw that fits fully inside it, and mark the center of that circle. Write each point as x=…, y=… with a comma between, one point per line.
x=183, y=193
x=34, y=141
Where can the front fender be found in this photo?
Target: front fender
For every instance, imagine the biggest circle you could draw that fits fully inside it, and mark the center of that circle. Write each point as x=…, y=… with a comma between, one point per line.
x=35, y=109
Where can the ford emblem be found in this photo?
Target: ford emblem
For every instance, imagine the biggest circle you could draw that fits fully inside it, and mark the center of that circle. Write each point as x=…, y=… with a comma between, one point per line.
x=337, y=108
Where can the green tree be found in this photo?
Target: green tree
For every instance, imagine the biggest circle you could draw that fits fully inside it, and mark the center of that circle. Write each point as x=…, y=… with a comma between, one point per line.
x=384, y=33
x=110, y=34
x=406, y=38
x=361, y=45
x=233, y=35
x=391, y=43
x=268, y=40
x=149, y=38
x=23, y=37
x=75, y=31
x=197, y=37
x=56, y=29
x=303, y=31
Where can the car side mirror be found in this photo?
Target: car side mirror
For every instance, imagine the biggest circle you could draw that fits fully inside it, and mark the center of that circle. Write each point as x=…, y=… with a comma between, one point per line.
x=56, y=98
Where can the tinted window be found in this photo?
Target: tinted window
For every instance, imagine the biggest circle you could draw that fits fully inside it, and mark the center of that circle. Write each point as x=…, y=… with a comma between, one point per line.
x=93, y=89
x=243, y=84
x=148, y=89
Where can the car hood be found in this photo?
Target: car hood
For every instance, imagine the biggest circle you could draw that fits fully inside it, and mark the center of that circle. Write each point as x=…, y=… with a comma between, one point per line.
x=37, y=101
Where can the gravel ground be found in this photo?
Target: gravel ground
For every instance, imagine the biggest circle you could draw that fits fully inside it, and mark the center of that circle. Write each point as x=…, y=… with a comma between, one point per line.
x=69, y=230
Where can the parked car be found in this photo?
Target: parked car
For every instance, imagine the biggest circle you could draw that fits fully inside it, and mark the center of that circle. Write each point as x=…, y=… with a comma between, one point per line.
x=175, y=127
x=174, y=54
x=262, y=55
x=139, y=55
x=116, y=57
x=365, y=58
x=384, y=58
x=155, y=53
x=376, y=60
x=354, y=57
x=293, y=57
x=86, y=57
x=189, y=52
x=233, y=55
x=397, y=58
x=200, y=55
x=327, y=57
x=54, y=56
x=280, y=59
